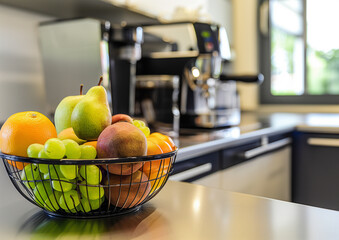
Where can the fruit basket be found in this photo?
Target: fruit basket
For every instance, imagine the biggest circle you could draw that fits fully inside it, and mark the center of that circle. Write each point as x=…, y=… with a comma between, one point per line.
x=91, y=190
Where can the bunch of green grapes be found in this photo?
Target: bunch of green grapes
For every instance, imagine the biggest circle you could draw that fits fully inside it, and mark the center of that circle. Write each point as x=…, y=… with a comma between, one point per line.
x=72, y=188
x=142, y=126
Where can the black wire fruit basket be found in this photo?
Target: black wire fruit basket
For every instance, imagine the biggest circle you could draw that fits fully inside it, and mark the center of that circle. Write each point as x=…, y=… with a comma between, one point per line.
x=80, y=188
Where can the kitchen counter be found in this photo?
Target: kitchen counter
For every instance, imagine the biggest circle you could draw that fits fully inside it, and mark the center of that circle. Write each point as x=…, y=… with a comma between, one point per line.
x=188, y=211
x=179, y=211
x=193, y=143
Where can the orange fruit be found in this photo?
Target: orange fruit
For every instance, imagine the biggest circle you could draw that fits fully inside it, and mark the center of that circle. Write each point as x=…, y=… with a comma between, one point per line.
x=92, y=143
x=156, y=170
x=152, y=149
x=23, y=129
x=165, y=147
x=165, y=138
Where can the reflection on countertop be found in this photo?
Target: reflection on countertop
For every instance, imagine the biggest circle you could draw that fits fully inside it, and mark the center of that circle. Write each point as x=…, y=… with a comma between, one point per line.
x=180, y=211
x=252, y=125
x=144, y=222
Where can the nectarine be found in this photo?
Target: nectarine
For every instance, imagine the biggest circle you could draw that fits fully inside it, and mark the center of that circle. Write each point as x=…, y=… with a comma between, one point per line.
x=127, y=191
x=121, y=140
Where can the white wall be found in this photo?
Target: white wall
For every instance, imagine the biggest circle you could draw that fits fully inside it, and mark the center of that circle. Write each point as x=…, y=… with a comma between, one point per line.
x=217, y=11
x=245, y=46
x=21, y=76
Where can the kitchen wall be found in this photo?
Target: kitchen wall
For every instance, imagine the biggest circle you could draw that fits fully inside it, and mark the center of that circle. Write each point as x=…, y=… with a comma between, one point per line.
x=21, y=73
x=245, y=48
x=218, y=11
x=21, y=76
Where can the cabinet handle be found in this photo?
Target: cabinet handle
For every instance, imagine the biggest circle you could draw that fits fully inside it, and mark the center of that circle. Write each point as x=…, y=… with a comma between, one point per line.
x=265, y=148
x=328, y=142
x=192, y=172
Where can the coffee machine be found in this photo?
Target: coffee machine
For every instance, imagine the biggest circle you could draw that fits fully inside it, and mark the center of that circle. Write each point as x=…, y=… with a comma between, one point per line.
x=198, y=53
x=79, y=51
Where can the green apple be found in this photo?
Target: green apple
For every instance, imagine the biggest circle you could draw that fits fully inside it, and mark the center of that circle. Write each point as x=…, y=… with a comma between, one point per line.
x=63, y=112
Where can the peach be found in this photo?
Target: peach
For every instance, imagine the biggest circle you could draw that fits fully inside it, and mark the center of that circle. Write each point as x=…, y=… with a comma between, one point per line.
x=121, y=118
x=127, y=191
x=121, y=140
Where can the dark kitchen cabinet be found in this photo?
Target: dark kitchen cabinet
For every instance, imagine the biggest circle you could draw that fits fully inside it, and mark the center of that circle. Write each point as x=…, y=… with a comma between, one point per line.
x=315, y=170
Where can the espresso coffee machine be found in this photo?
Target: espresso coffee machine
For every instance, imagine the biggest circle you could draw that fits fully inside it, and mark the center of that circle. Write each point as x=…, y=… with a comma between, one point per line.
x=198, y=53
x=79, y=51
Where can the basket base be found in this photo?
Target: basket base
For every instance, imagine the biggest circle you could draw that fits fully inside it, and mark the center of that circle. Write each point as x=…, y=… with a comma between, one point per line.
x=94, y=215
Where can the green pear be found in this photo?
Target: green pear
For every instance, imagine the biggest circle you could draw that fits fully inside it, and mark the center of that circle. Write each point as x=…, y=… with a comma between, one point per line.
x=92, y=114
x=63, y=112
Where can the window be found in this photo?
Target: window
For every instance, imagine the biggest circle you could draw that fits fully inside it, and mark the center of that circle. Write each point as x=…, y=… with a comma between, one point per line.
x=300, y=52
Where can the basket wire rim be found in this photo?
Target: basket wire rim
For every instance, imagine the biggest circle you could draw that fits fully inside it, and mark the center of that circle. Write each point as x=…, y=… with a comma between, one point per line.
x=66, y=161
x=105, y=210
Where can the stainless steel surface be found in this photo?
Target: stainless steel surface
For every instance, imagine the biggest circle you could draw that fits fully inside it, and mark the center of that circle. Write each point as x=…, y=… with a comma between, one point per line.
x=197, y=52
x=180, y=211
x=181, y=34
x=79, y=51
x=73, y=53
x=156, y=101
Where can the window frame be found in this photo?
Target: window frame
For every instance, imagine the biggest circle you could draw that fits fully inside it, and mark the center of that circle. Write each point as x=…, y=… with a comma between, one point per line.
x=266, y=96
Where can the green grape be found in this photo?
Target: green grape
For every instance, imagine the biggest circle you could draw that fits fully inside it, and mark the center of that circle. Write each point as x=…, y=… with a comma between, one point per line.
x=54, y=148
x=53, y=173
x=91, y=192
x=64, y=185
x=87, y=205
x=139, y=123
x=69, y=171
x=43, y=167
x=88, y=152
x=41, y=192
x=42, y=154
x=91, y=173
x=73, y=150
x=69, y=200
x=51, y=203
x=30, y=176
x=145, y=130
x=34, y=149
x=74, y=210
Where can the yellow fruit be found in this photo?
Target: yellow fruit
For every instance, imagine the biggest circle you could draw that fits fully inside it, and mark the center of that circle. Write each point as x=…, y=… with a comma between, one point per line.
x=68, y=133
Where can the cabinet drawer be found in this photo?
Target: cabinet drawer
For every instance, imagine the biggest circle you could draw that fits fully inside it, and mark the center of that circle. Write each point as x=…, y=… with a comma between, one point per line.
x=267, y=175
x=231, y=156
x=195, y=168
x=262, y=146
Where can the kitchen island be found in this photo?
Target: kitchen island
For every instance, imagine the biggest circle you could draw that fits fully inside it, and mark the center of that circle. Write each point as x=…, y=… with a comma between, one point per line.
x=190, y=211
x=179, y=211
